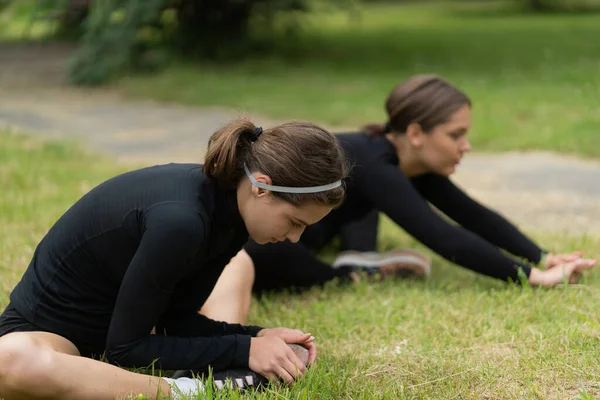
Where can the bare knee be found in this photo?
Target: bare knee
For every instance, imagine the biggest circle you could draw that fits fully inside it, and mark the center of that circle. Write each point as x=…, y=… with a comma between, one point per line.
x=238, y=276
x=23, y=360
x=241, y=271
x=231, y=297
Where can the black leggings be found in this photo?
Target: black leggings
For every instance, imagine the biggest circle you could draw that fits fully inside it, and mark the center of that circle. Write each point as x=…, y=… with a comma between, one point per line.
x=287, y=265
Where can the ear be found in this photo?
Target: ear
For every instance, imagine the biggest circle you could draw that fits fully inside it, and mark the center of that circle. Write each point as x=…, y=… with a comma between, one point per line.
x=415, y=134
x=262, y=178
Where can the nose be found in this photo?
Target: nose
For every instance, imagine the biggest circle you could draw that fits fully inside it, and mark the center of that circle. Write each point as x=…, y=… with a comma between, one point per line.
x=466, y=147
x=294, y=235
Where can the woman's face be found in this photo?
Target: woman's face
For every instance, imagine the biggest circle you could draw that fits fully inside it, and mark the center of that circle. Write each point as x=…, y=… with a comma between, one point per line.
x=444, y=146
x=270, y=219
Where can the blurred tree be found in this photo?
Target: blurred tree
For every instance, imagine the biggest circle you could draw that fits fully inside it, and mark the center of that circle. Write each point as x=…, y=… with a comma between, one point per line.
x=118, y=34
x=110, y=38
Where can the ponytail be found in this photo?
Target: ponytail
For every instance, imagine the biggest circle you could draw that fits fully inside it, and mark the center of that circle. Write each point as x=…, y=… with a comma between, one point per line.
x=294, y=154
x=375, y=129
x=227, y=150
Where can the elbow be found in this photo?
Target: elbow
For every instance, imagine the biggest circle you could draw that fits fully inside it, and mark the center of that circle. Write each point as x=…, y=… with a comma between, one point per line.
x=131, y=355
x=117, y=356
x=122, y=355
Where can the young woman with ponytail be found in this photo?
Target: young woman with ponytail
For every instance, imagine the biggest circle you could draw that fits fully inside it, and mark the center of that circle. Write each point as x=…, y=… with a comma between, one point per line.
x=399, y=167
x=141, y=253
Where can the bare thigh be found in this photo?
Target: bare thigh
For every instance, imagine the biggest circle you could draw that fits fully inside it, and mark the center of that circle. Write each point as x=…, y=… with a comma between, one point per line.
x=42, y=365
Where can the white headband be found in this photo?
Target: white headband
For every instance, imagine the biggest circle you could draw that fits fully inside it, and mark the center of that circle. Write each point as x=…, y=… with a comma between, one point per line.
x=287, y=189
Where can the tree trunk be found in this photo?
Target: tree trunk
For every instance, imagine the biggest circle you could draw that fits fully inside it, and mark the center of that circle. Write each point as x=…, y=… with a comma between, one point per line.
x=204, y=26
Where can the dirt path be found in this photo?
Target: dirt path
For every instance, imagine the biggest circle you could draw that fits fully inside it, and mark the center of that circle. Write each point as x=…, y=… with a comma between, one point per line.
x=541, y=191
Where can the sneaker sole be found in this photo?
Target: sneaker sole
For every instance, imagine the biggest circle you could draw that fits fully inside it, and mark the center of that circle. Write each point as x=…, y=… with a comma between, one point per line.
x=234, y=378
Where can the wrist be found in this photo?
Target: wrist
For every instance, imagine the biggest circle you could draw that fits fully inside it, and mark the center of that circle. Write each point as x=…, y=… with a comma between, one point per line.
x=241, y=357
x=254, y=330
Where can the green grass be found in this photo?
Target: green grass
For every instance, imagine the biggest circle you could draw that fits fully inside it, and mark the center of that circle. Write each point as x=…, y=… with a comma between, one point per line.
x=535, y=85
x=533, y=78
x=456, y=335
x=38, y=181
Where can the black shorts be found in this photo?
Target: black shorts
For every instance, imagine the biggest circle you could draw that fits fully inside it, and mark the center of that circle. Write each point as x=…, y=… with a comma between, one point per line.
x=12, y=321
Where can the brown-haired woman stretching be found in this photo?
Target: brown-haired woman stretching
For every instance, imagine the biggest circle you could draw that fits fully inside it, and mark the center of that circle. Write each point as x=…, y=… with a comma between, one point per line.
x=145, y=249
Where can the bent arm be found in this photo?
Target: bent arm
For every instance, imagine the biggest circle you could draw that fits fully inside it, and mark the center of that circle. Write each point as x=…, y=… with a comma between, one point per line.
x=171, y=239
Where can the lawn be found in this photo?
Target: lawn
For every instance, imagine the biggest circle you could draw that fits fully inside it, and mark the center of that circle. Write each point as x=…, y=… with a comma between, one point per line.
x=535, y=85
x=456, y=335
x=533, y=78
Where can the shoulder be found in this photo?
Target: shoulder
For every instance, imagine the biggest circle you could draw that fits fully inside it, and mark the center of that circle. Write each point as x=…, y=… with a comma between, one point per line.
x=366, y=150
x=351, y=140
x=159, y=170
x=178, y=218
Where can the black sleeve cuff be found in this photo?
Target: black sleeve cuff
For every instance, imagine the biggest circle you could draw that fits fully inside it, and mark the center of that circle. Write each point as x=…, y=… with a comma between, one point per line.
x=522, y=272
x=242, y=354
x=253, y=330
x=540, y=256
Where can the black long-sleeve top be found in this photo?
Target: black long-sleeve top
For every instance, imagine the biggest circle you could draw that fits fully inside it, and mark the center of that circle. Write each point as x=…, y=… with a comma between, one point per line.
x=376, y=182
x=141, y=250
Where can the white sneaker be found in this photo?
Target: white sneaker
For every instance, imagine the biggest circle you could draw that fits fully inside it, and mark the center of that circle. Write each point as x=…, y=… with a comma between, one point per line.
x=405, y=263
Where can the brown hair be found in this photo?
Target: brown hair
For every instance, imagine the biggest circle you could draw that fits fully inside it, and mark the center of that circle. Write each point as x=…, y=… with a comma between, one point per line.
x=424, y=99
x=292, y=154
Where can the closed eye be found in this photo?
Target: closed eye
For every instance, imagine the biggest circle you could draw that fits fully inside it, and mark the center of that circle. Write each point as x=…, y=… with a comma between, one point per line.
x=296, y=225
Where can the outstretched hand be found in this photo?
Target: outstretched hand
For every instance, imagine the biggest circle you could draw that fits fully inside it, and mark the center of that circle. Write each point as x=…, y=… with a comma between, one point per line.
x=557, y=274
x=552, y=260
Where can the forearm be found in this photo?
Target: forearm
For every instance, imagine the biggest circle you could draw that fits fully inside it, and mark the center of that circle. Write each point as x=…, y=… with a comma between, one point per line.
x=474, y=253
x=167, y=352
x=500, y=232
x=194, y=324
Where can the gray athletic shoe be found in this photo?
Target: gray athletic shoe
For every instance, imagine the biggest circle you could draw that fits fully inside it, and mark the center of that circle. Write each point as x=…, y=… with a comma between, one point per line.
x=402, y=263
